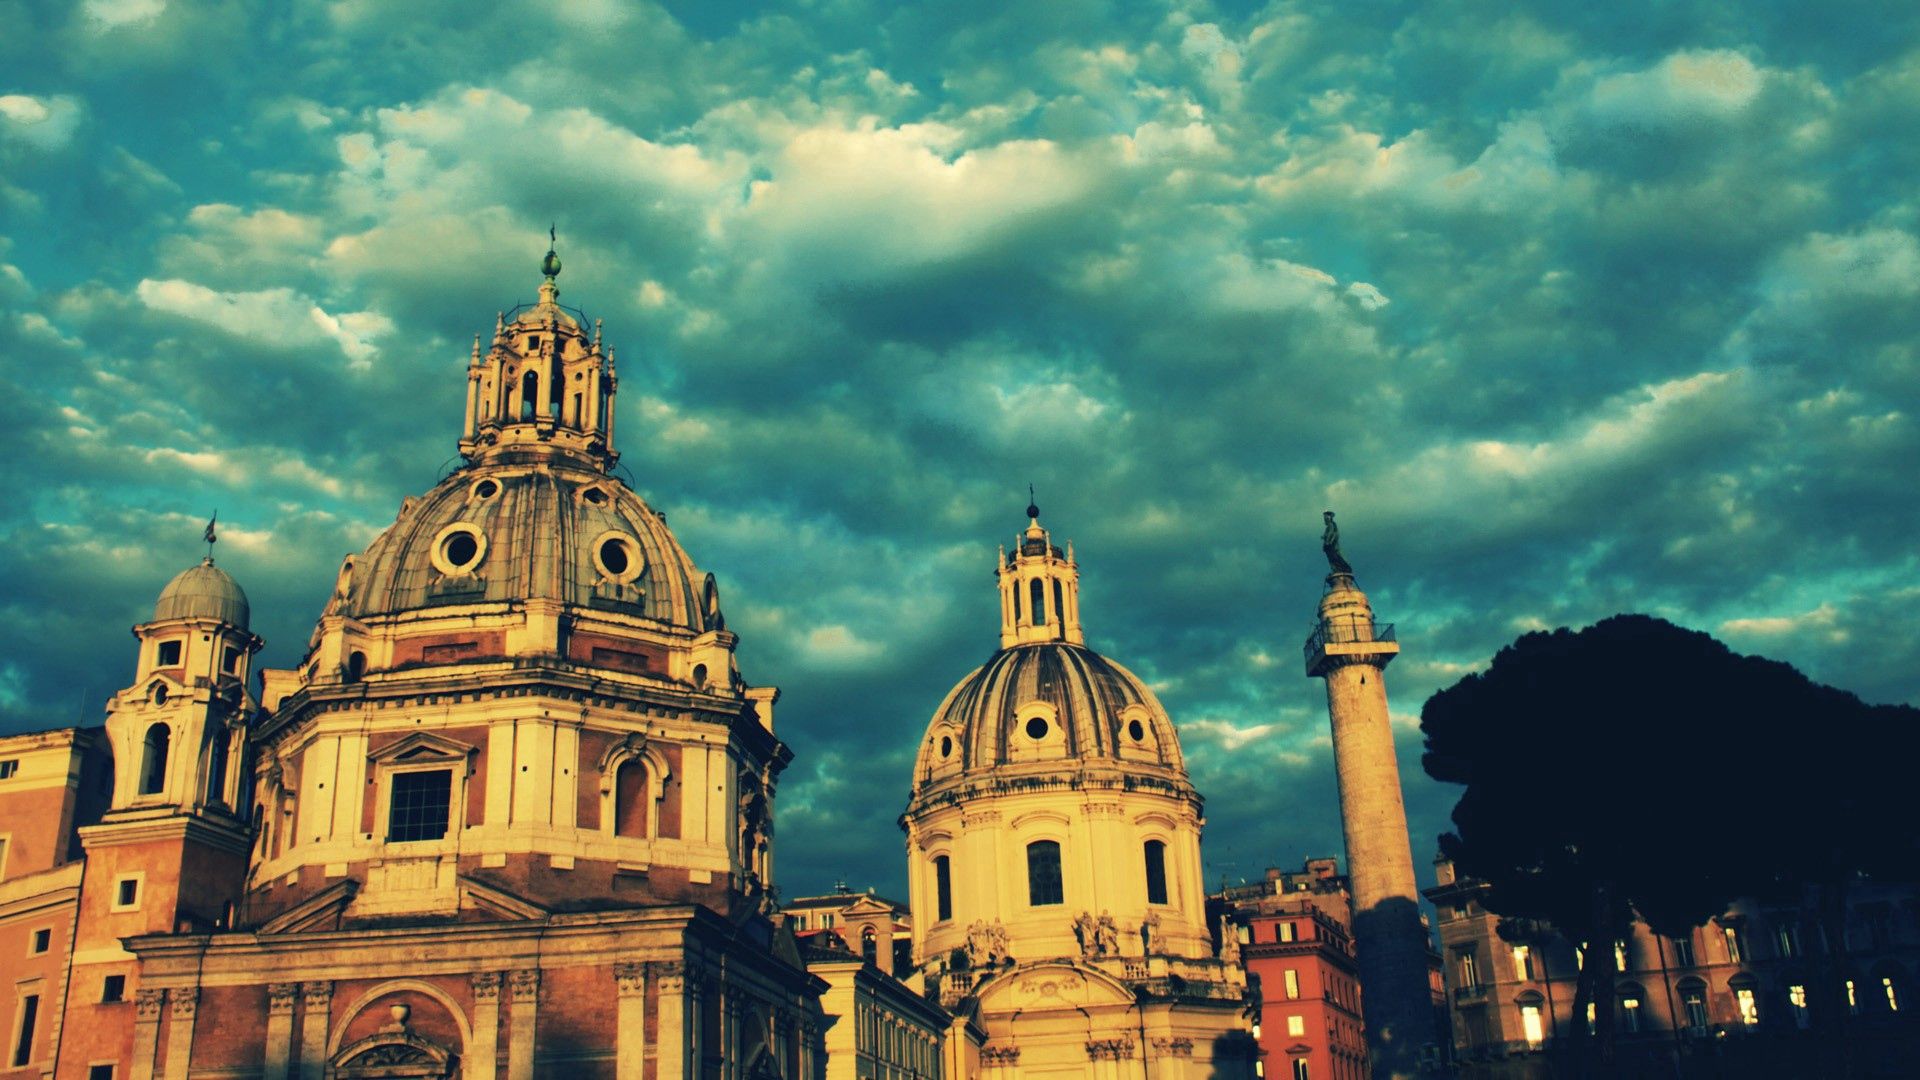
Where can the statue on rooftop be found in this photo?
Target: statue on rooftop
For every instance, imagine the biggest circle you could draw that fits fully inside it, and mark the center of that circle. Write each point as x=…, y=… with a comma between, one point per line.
x=1330, y=544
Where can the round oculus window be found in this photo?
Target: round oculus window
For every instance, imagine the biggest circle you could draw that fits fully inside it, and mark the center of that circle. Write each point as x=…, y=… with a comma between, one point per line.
x=486, y=489
x=1135, y=731
x=596, y=496
x=946, y=746
x=1036, y=728
x=617, y=556
x=458, y=549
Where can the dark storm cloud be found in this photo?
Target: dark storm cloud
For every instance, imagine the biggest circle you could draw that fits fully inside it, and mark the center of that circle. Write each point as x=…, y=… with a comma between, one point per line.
x=1568, y=309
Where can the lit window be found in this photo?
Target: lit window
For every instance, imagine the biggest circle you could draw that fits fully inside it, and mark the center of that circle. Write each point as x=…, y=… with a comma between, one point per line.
x=1579, y=958
x=1893, y=1000
x=1043, y=873
x=1283, y=932
x=1593, y=1019
x=1630, y=1014
x=1522, y=962
x=1749, y=1009
x=1853, y=999
x=1530, y=1024
x=943, y=886
x=1622, y=957
x=419, y=806
x=1693, y=1000
x=1296, y=1025
x=1469, y=969
x=1797, y=997
x=1292, y=978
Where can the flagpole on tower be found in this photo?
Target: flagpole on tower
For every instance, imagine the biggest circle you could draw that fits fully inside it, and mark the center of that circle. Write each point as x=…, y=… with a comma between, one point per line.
x=211, y=536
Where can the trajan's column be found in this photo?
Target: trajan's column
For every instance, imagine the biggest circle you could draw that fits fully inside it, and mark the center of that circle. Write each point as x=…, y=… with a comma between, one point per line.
x=1351, y=652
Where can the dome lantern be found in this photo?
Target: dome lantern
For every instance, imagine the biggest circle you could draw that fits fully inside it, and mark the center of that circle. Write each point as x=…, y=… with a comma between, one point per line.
x=1039, y=589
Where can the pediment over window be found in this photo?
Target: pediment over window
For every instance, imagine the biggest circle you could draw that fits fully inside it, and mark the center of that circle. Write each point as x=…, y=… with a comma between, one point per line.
x=392, y=1054
x=422, y=746
x=321, y=911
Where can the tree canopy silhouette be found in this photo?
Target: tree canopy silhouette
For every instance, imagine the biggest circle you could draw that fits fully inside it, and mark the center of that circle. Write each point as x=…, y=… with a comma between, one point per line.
x=1636, y=766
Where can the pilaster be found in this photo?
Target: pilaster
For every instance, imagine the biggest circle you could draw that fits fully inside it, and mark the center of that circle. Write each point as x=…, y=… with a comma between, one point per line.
x=316, y=1012
x=483, y=1057
x=630, y=979
x=146, y=1032
x=670, y=1059
x=522, y=1023
x=279, y=1051
x=185, y=1003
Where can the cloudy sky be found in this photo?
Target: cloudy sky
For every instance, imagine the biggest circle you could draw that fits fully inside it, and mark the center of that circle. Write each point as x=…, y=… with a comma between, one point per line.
x=1567, y=308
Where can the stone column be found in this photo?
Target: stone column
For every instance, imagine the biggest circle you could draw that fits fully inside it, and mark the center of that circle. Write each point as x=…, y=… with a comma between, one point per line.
x=279, y=1029
x=146, y=1032
x=630, y=1034
x=521, y=1024
x=483, y=1057
x=185, y=1002
x=1351, y=652
x=316, y=1008
x=670, y=1058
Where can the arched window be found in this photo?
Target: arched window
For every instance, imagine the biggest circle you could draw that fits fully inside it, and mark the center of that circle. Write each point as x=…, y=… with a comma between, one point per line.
x=217, y=769
x=153, y=767
x=356, y=666
x=943, y=887
x=1156, y=852
x=1059, y=605
x=630, y=799
x=529, y=393
x=1016, y=604
x=1037, y=600
x=1043, y=873
x=869, y=947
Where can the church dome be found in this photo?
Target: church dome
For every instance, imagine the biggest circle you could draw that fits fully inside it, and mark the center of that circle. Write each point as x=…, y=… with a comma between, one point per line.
x=509, y=531
x=203, y=592
x=1051, y=701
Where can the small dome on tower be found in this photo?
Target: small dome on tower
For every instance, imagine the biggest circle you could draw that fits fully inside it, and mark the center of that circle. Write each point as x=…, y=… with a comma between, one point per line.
x=203, y=592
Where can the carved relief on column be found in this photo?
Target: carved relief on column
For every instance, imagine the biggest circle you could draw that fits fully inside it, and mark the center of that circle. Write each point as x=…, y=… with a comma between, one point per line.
x=1110, y=1049
x=1176, y=1047
x=316, y=995
x=526, y=985
x=670, y=974
x=146, y=1006
x=631, y=976
x=999, y=1055
x=486, y=987
x=280, y=998
x=185, y=1000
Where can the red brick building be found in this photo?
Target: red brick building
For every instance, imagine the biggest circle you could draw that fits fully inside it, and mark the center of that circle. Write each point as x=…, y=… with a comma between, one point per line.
x=1293, y=935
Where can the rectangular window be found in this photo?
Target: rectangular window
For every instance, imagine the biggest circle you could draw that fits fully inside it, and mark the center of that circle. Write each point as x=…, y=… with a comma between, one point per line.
x=1853, y=998
x=1695, y=1004
x=1522, y=962
x=1283, y=932
x=113, y=988
x=1469, y=969
x=1296, y=1025
x=1156, y=872
x=1300, y=1069
x=168, y=655
x=1683, y=952
x=1797, y=997
x=1292, y=978
x=1622, y=957
x=1630, y=1015
x=1786, y=940
x=1893, y=999
x=1736, y=946
x=126, y=892
x=8, y=768
x=943, y=886
x=99, y=1072
x=42, y=941
x=29, y=1014
x=230, y=661
x=418, y=810
x=1749, y=1009
x=1043, y=873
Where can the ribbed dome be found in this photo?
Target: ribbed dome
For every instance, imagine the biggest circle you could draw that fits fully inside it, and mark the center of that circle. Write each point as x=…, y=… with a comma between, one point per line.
x=203, y=592
x=1090, y=708
x=506, y=532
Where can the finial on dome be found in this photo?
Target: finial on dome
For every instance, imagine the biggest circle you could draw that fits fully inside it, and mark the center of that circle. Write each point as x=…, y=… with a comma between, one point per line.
x=210, y=537
x=550, y=265
x=1033, y=506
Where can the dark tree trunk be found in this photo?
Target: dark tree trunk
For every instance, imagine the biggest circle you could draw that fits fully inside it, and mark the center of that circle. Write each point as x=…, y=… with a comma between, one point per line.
x=1833, y=1012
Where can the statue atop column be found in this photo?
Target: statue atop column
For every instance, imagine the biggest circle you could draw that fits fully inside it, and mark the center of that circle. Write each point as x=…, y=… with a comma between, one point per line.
x=1330, y=544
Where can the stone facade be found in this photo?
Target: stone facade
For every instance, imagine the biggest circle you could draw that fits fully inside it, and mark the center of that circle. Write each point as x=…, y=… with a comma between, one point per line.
x=1053, y=844
x=511, y=815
